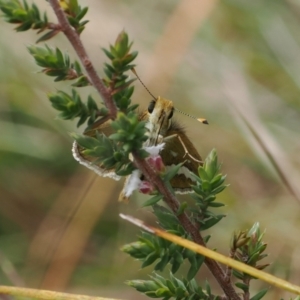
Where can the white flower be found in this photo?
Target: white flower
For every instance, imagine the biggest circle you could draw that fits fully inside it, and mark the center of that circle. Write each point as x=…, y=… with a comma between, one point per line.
x=133, y=182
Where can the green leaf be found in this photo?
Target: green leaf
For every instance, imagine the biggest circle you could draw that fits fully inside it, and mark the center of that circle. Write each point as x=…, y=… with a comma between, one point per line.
x=260, y=294
x=163, y=292
x=81, y=81
x=162, y=263
x=193, y=270
x=202, y=173
x=182, y=207
x=152, y=200
x=242, y=286
x=216, y=204
x=170, y=286
x=218, y=180
x=198, y=190
x=211, y=222
x=219, y=189
x=254, y=229
x=82, y=13
x=85, y=141
x=207, y=288
x=206, y=186
x=50, y=34
x=172, y=171
x=238, y=274
x=150, y=259
x=166, y=218
x=175, y=266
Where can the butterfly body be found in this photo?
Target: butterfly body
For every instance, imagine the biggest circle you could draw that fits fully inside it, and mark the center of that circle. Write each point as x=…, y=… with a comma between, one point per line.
x=178, y=147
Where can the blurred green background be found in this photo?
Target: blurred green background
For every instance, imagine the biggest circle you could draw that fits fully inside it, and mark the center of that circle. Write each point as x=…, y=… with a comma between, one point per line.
x=233, y=62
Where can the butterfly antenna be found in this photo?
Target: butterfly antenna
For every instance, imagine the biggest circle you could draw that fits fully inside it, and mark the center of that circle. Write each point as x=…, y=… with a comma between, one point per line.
x=137, y=76
x=202, y=120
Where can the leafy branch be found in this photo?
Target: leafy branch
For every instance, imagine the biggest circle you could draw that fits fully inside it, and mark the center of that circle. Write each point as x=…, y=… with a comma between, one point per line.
x=29, y=17
x=57, y=65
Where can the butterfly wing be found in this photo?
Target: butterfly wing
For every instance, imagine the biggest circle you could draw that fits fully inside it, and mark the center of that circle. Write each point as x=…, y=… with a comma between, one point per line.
x=179, y=148
x=91, y=162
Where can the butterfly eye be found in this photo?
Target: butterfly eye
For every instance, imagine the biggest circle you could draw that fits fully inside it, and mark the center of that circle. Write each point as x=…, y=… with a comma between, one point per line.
x=151, y=106
x=171, y=114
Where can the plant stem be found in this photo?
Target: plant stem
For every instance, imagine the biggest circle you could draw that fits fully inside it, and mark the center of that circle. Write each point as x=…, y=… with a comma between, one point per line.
x=75, y=41
x=145, y=168
x=247, y=282
x=190, y=228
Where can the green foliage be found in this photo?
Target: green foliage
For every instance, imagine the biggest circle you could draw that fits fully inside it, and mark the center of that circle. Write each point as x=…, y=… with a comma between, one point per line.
x=150, y=249
x=153, y=200
x=248, y=247
x=26, y=16
x=259, y=295
x=160, y=287
x=130, y=132
x=58, y=65
x=209, y=183
x=29, y=17
x=71, y=107
x=75, y=14
x=120, y=62
x=99, y=147
x=106, y=151
x=173, y=170
x=114, y=151
x=167, y=220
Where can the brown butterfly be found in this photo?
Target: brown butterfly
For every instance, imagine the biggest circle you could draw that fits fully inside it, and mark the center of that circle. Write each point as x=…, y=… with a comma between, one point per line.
x=160, y=129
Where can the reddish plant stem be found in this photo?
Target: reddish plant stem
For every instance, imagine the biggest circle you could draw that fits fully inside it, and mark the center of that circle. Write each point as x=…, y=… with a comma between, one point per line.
x=145, y=168
x=75, y=41
x=54, y=26
x=173, y=203
x=228, y=270
x=246, y=281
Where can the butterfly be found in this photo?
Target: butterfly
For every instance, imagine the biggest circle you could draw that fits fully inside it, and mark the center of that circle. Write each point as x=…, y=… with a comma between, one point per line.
x=161, y=128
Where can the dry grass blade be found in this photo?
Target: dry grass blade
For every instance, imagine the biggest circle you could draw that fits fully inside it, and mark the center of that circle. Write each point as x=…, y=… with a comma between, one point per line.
x=235, y=88
x=10, y=271
x=45, y=295
x=215, y=256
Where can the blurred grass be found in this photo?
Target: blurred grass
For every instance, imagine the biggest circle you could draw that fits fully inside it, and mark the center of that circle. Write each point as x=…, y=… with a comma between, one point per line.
x=216, y=59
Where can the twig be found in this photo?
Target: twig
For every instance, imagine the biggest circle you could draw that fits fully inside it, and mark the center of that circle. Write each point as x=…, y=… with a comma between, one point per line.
x=145, y=168
x=75, y=41
x=246, y=281
x=54, y=26
x=172, y=202
x=228, y=270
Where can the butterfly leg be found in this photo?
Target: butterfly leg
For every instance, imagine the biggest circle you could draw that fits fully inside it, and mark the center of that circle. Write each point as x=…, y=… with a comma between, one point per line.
x=123, y=197
x=183, y=146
